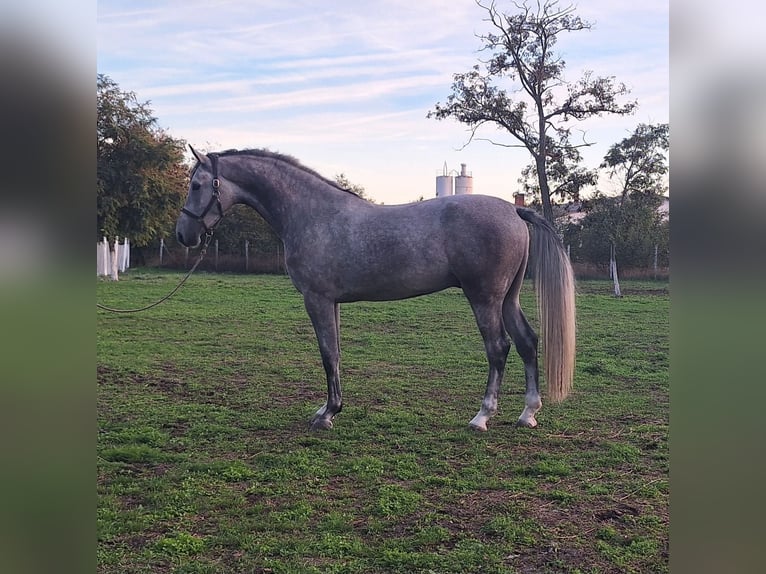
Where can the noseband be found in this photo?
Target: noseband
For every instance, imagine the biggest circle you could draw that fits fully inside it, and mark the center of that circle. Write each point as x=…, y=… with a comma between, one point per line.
x=215, y=200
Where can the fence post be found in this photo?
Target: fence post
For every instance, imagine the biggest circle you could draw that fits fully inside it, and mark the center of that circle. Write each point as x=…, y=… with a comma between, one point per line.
x=115, y=262
x=123, y=255
x=247, y=255
x=162, y=247
x=107, y=258
x=655, y=261
x=614, y=274
x=216, y=255
x=186, y=257
x=103, y=257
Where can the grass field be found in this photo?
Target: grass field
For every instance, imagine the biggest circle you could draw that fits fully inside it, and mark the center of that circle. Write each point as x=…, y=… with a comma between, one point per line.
x=205, y=463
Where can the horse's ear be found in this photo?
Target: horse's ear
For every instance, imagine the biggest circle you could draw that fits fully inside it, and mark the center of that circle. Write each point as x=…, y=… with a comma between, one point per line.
x=201, y=157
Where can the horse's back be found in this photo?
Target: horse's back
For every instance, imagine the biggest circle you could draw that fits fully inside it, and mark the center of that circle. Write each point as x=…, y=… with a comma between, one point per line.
x=461, y=226
x=479, y=215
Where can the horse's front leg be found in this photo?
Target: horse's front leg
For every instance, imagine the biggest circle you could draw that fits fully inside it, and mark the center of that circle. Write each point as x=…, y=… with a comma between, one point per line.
x=325, y=316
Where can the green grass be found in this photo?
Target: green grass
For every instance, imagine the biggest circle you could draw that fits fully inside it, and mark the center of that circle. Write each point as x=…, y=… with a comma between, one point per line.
x=205, y=463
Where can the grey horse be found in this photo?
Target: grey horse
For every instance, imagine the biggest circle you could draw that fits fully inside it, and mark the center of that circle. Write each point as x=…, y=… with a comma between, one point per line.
x=341, y=248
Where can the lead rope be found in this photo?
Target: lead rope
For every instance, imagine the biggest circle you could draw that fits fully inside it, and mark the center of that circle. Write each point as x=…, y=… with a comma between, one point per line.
x=208, y=237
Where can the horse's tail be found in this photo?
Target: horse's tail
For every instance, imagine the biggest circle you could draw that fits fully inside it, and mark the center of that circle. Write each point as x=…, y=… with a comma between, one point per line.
x=555, y=287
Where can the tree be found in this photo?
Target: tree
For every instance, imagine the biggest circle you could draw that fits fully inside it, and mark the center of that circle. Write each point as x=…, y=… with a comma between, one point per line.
x=639, y=164
x=566, y=178
x=141, y=175
x=632, y=230
x=538, y=114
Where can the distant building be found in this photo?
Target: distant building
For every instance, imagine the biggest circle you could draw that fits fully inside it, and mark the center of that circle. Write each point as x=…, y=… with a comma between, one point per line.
x=575, y=211
x=454, y=183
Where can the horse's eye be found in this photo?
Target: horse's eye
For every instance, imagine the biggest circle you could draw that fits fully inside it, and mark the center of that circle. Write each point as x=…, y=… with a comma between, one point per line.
x=195, y=186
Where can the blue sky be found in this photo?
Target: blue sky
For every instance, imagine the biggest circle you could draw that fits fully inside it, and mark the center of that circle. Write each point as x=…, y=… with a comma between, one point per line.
x=345, y=86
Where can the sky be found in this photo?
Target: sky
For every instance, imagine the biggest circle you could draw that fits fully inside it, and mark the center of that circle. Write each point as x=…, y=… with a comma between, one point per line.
x=345, y=86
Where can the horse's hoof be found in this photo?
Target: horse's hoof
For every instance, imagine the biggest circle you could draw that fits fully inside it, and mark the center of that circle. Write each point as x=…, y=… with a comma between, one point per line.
x=477, y=428
x=320, y=424
x=526, y=423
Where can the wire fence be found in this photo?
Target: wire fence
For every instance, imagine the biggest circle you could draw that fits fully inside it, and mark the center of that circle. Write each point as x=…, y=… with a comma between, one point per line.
x=269, y=258
x=252, y=258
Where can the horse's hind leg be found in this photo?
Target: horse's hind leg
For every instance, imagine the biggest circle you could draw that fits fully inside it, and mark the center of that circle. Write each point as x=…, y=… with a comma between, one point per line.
x=525, y=340
x=325, y=318
x=489, y=319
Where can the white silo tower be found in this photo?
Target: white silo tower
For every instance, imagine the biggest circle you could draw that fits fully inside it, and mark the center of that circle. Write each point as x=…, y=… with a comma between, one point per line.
x=463, y=182
x=445, y=183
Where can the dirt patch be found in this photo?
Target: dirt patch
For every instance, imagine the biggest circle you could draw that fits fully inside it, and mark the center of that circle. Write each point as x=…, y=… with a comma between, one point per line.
x=168, y=384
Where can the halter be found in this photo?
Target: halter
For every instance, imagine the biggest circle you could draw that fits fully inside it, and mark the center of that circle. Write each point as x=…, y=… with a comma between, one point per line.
x=215, y=200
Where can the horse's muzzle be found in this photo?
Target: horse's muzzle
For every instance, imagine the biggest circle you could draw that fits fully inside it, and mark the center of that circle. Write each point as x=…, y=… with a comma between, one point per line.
x=186, y=236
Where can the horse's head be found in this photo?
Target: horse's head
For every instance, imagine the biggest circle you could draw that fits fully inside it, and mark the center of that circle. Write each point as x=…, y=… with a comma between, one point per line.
x=206, y=203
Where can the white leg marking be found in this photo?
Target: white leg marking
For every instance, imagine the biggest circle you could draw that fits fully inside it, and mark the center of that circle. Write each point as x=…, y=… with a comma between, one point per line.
x=533, y=404
x=488, y=410
x=479, y=422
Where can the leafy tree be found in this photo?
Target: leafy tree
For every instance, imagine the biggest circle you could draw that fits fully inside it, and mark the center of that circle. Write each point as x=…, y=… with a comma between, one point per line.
x=639, y=162
x=566, y=178
x=641, y=228
x=629, y=224
x=141, y=175
x=539, y=111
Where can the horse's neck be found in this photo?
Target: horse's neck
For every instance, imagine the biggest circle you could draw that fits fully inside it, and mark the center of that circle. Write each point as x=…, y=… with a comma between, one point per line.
x=283, y=194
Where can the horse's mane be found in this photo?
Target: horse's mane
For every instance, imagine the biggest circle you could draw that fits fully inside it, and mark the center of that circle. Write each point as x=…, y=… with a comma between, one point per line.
x=285, y=158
